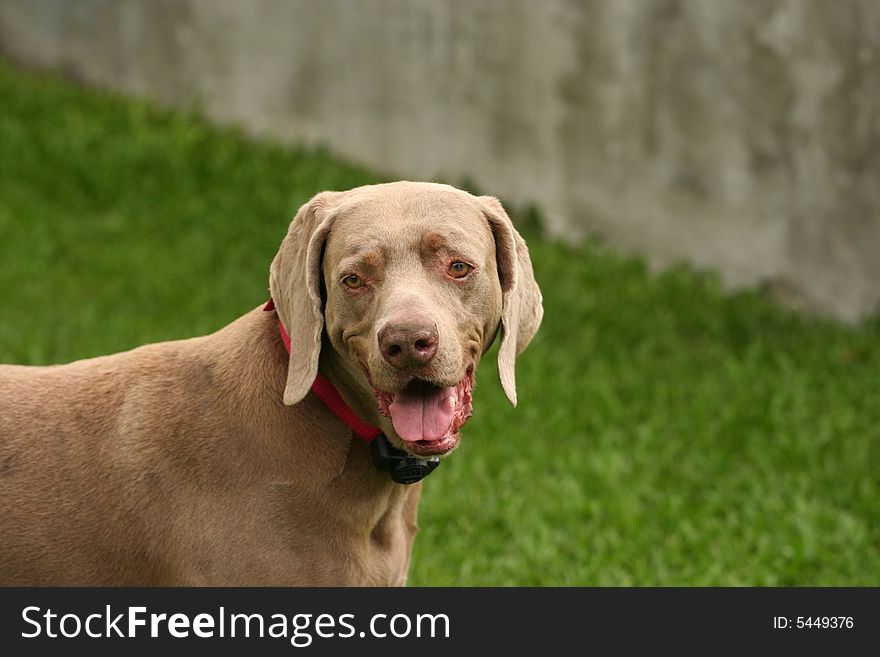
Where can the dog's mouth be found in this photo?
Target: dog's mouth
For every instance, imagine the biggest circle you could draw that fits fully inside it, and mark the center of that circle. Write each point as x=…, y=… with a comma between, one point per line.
x=428, y=416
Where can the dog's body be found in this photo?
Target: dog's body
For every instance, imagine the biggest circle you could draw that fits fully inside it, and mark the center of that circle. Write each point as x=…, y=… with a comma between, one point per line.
x=178, y=463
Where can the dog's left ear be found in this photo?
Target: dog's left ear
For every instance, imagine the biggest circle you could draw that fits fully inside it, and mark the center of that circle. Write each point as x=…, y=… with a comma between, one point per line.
x=295, y=285
x=521, y=304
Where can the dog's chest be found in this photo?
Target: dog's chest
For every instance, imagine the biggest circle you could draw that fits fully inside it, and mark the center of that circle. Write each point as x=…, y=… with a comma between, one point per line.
x=373, y=536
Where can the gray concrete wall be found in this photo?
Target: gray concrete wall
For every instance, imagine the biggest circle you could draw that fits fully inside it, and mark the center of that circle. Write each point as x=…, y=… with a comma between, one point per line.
x=742, y=136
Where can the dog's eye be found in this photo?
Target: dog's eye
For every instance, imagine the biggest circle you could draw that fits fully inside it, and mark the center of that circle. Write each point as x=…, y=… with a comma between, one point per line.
x=459, y=269
x=353, y=281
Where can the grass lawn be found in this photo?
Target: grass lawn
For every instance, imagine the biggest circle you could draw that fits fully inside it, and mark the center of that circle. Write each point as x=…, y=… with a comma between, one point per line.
x=667, y=433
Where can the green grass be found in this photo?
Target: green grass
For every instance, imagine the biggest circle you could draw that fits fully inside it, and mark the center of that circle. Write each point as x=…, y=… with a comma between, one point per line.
x=667, y=433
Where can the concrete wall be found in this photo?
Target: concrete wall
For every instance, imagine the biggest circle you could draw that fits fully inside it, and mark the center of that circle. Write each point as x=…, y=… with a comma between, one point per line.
x=742, y=136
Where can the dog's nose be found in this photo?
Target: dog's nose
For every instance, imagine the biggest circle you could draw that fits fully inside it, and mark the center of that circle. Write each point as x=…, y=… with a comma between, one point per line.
x=410, y=343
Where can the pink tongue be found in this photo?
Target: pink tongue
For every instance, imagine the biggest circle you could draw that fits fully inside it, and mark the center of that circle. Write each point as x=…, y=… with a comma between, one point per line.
x=423, y=412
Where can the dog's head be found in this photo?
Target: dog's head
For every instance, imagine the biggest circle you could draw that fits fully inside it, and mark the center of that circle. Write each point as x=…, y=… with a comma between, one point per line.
x=410, y=282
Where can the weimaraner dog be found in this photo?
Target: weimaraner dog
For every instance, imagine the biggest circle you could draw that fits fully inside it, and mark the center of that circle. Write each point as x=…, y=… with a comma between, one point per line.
x=215, y=460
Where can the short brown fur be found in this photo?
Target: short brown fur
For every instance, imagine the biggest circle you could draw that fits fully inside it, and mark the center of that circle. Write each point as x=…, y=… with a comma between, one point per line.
x=178, y=463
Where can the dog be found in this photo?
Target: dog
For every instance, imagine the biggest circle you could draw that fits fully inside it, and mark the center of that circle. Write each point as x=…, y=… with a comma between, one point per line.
x=218, y=461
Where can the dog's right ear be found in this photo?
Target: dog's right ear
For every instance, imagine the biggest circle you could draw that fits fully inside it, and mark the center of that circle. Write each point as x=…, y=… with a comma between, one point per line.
x=295, y=285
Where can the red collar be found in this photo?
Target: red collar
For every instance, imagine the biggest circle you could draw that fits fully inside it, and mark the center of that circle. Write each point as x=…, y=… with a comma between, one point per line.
x=327, y=393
